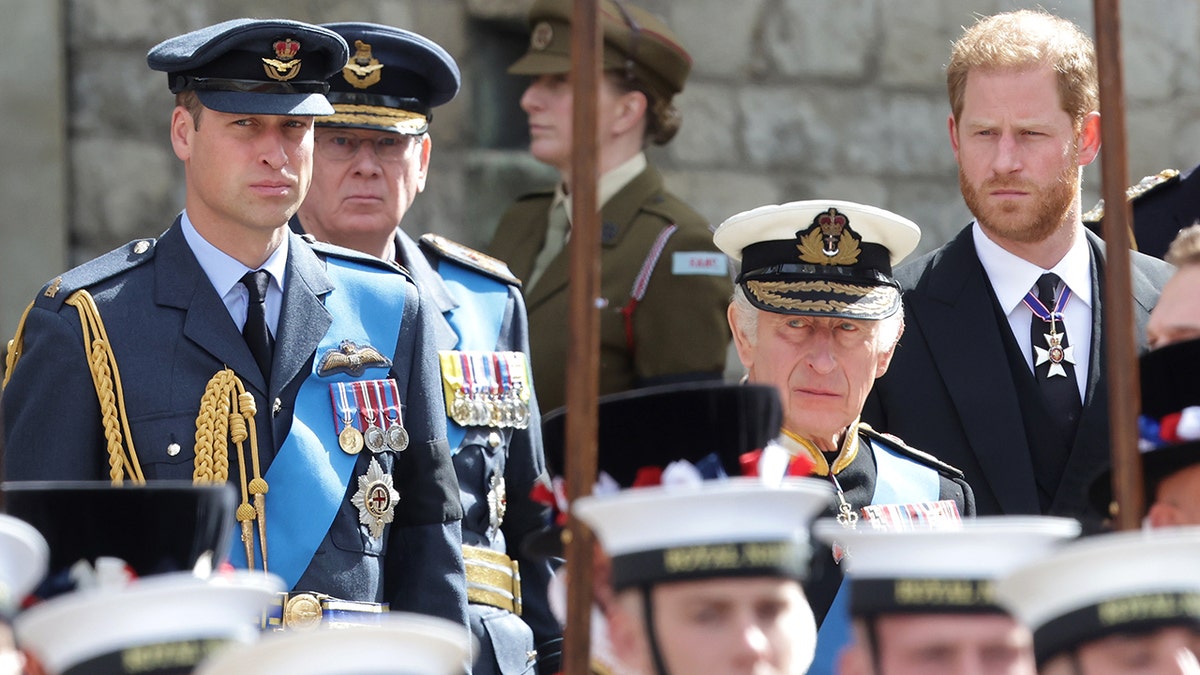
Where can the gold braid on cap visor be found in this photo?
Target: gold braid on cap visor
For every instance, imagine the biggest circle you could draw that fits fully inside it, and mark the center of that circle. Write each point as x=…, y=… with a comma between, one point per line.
x=867, y=299
x=377, y=115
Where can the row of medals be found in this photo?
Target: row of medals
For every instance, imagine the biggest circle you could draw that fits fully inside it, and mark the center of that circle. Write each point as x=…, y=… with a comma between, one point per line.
x=377, y=439
x=506, y=409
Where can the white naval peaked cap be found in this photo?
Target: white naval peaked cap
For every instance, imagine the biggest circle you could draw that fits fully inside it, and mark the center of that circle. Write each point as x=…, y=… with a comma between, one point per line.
x=782, y=222
x=819, y=257
x=718, y=528
x=400, y=644
x=943, y=568
x=24, y=558
x=1121, y=582
x=158, y=623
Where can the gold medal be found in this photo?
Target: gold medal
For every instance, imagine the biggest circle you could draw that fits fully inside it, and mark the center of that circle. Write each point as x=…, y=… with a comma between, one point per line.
x=350, y=440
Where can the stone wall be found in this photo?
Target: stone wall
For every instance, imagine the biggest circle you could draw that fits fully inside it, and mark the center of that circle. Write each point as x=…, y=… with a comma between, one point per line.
x=789, y=99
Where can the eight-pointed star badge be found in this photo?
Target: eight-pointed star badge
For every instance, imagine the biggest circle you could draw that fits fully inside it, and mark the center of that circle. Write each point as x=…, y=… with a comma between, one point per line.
x=376, y=499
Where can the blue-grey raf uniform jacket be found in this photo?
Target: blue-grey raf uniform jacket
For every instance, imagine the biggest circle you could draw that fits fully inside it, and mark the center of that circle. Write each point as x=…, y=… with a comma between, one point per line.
x=170, y=333
x=496, y=466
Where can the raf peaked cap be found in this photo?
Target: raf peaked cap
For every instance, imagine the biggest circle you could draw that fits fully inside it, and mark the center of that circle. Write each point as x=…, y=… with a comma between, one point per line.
x=949, y=569
x=1123, y=583
x=393, y=80
x=819, y=257
x=254, y=66
x=635, y=42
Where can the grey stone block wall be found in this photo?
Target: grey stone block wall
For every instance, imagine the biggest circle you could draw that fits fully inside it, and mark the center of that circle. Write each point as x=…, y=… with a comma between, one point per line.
x=789, y=99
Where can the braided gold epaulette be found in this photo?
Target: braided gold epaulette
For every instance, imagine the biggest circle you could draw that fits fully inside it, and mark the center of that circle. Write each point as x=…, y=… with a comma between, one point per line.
x=465, y=255
x=1134, y=192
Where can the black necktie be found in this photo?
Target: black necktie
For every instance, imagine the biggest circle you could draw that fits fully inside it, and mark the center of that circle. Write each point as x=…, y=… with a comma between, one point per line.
x=258, y=336
x=1054, y=364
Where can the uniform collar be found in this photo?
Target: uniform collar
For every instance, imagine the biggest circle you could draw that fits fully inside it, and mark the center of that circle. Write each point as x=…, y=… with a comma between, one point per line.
x=222, y=270
x=609, y=184
x=795, y=445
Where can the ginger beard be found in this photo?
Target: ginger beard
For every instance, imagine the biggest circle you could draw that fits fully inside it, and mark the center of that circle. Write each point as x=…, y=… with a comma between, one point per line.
x=1013, y=221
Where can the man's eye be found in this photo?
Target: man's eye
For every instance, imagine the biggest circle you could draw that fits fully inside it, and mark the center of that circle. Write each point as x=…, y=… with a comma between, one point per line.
x=387, y=142
x=339, y=140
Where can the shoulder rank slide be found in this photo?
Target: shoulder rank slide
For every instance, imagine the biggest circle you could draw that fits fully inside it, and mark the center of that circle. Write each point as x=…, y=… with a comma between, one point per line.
x=469, y=257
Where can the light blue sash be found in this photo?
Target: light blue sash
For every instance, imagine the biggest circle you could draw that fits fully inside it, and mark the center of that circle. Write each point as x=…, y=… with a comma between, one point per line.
x=899, y=480
x=308, y=478
x=477, y=320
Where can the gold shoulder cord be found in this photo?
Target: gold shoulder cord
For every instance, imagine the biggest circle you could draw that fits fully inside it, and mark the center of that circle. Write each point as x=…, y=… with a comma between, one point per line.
x=107, y=380
x=227, y=412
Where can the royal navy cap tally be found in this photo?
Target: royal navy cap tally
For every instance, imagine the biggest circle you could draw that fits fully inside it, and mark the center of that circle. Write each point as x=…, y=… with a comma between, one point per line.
x=1107, y=584
x=943, y=569
x=254, y=66
x=162, y=624
x=400, y=644
x=740, y=527
x=819, y=257
x=635, y=42
x=1169, y=425
x=393, y=80
x=24, y=557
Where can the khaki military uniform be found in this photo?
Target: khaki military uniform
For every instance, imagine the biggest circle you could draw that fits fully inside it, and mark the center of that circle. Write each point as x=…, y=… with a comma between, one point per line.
x=676, y=331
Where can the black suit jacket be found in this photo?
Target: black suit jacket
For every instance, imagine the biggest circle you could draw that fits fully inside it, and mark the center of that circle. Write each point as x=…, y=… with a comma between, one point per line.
x=950, y=390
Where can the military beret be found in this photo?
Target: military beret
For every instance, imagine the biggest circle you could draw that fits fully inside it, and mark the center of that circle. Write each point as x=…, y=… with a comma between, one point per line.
x=819, y=257
x=1123, y=583
x=635, y=42
x=393, y=80
x=254, y=66
x=400, y=644
x=939, y=569
x=1169, y=425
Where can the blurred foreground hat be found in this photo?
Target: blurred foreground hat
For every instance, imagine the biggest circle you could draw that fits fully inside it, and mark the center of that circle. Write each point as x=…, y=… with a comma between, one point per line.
x=254, y=66
x=402, y=644
x=641, y=432
x=819, y=257
x=944, y=569
x=23, y=562
x=1169, y=425
x=636, y=43
x=739, y=527
x=1107, y=584
x=166, y=526
x=393, y=80
x=159, y=625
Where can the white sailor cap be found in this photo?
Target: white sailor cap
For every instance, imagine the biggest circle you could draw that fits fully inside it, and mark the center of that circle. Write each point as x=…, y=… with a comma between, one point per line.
x=401, y=644
x=819, y=257
x=160, y=624
x=947, y=568
x=739, y=527
x=1123, y=582
x=24, y=557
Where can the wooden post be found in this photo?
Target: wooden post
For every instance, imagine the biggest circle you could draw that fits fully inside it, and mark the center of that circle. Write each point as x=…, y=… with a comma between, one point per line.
x=583, y=351
x=1124, y=396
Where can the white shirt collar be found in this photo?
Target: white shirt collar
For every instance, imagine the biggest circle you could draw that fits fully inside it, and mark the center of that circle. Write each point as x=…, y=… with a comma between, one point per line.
x=1012, y=276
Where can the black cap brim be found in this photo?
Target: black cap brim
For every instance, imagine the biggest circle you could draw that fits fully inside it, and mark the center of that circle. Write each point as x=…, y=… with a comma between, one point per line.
x=250, y=103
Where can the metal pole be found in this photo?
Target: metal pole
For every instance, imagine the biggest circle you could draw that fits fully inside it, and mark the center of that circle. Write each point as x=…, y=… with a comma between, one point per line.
x=584, y=327
x=1124, y=397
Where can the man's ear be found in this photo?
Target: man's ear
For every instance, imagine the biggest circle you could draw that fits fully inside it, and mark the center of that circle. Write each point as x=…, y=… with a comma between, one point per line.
x=1162, y=514
x=743, y=342
x=183, y=126
x=426, y=151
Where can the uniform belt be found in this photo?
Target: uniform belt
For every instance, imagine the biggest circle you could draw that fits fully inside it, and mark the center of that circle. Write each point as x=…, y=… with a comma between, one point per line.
x=493, y=579
x=302, y=611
